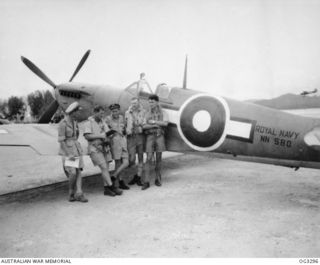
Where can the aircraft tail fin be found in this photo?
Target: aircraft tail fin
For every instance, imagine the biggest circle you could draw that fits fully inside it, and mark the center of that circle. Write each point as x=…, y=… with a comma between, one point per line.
x=184, y=85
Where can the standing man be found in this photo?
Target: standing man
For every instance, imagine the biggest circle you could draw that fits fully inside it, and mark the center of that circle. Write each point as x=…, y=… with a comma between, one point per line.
x=96, y=131
x=118, y=144
x=71, y=152
x=155, y=123
x=135, y=117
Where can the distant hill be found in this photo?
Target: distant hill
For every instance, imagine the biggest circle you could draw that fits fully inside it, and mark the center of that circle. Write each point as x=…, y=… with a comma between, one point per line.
x=290, y=101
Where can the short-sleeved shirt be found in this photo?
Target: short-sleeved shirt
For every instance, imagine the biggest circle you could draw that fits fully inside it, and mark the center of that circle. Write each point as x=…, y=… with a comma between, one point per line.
x=68, y=132
x=94, y=127
x=157, y=114
x=118, y=140
x=135, y=118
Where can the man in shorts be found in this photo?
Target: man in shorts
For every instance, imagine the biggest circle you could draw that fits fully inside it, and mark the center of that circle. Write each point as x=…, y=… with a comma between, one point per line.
x=118, y=144
x=95, y=132
x=135, y=117
x=156, y=121
x=71, y=151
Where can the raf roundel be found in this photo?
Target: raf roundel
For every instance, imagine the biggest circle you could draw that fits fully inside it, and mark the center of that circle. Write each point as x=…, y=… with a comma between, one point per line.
x=202, y=122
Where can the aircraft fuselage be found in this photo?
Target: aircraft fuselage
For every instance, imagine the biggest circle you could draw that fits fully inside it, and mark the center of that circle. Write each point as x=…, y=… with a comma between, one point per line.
x=204, y=123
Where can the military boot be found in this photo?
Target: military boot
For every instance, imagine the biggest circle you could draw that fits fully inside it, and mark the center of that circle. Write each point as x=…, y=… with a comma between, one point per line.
x=116, y=190
x=145, y=186
x=158, y=179
x=157, y=182
x=134, y=180
x=72, y=198
x=108, y=191
x=123, y=186
x=139, y=182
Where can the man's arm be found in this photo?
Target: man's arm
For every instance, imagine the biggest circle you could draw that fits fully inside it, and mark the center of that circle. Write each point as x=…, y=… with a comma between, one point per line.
x=149, y=126
x=89, y=136
x=66, y=149
x=164, y=122
x=147, y=123
x=161, y=123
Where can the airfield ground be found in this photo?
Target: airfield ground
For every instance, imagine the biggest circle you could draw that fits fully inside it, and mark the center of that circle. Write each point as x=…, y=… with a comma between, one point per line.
x=205, y=208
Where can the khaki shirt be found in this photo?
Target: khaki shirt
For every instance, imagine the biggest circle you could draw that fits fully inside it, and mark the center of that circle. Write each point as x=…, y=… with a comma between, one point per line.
x=94, y=127
x=68, y=132
x=118, y=140
x=134, y=120
x=157, y=114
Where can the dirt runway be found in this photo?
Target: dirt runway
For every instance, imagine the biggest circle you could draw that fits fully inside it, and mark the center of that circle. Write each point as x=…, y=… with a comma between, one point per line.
x=205, y=208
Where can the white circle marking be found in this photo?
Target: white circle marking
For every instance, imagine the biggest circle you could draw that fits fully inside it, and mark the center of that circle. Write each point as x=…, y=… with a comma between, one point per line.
x=201, y=120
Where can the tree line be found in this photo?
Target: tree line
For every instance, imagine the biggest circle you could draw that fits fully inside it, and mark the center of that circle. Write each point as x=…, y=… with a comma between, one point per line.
x=15, y=108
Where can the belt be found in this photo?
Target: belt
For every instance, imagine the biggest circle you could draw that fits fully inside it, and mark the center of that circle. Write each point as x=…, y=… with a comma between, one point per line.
x=134, y=134
x=156, y=132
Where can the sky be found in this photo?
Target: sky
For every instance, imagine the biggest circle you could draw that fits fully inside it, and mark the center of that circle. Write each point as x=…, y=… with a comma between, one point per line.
x=240, y=49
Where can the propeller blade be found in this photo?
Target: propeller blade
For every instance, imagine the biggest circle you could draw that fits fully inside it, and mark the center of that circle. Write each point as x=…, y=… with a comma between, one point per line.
x=37, y=71
x=49, y=112
x=83, y=60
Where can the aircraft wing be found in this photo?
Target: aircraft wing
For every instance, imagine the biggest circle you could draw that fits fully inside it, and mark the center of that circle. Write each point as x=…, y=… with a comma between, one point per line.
x=42, y=138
